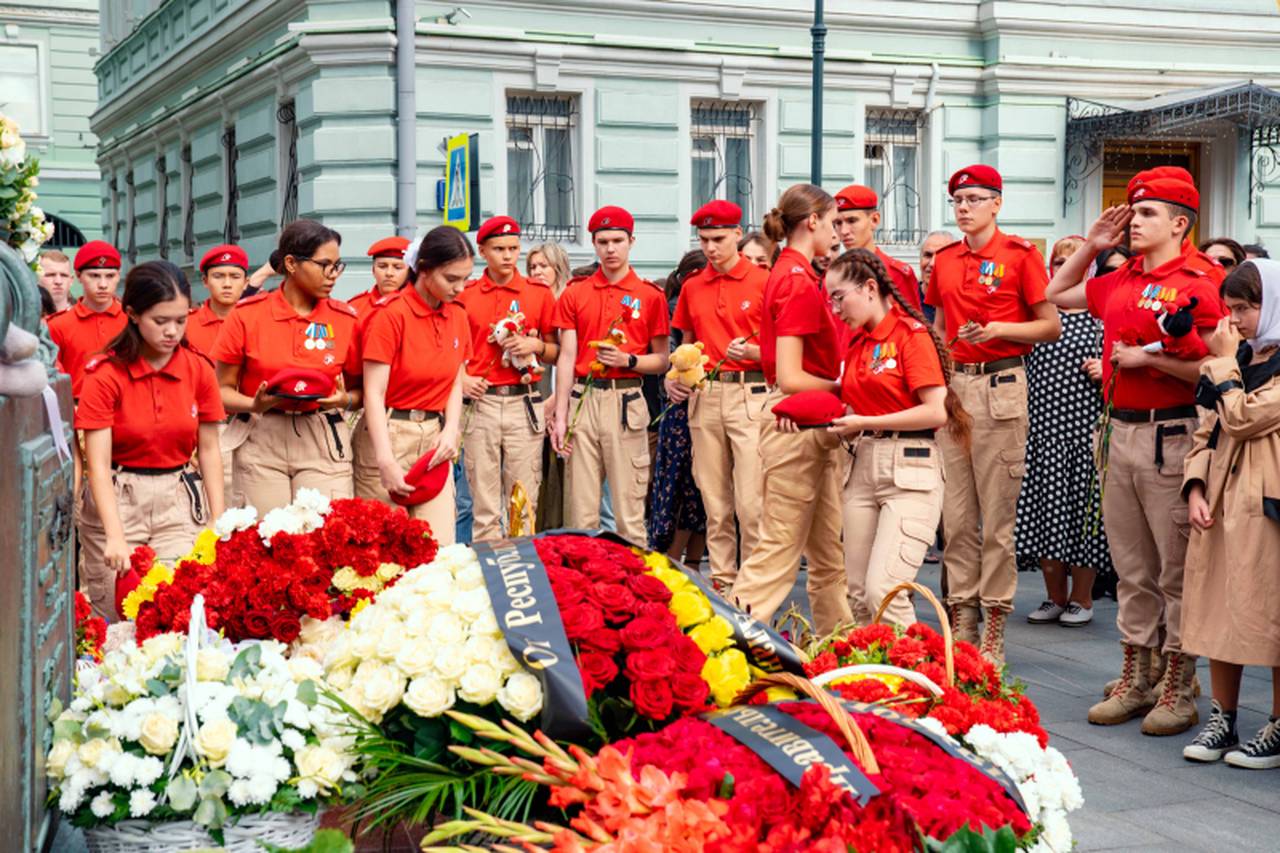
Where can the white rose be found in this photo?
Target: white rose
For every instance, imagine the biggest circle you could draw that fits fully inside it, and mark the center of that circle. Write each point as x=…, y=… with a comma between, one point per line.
x=417, y=622
x=390, y=640
x=364, y=644
x=214, y=740
x=212, y=665
x=320, y=632
x=340, y=652
x=340, y=679
x=428, y=696
x=159, y=733
x=502, y=660
x=446, y=630
x=305, y=668
x=479, y=684
x=162, y=646
x=319, y=764
x=521, y=696
x=480, y=649
x=439, y=590
x=470, y=576
x=449, y=663
x=91, y=752
x=380, y=686
x=469, y=604
x=56, y=764
x=486, y=623
x=414, y=657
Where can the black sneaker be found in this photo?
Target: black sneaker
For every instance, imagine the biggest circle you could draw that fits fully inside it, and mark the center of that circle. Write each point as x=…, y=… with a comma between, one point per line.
x=1262, y=752
x=1217, y=738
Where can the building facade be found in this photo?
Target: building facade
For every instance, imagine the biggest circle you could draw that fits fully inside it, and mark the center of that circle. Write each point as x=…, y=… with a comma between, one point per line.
x=47, y=84
x=223, y=119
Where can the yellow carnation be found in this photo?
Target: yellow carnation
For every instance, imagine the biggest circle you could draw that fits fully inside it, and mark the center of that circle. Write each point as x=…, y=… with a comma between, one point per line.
x=713, y=635
x=726, y=674
x=690, y=607
x=360, y=605
x=205, y=549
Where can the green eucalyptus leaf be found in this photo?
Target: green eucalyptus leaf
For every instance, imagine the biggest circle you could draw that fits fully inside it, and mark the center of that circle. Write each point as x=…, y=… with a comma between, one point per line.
x=181, y=792
x=157, y=687
x=215, y=783
x=307, y=693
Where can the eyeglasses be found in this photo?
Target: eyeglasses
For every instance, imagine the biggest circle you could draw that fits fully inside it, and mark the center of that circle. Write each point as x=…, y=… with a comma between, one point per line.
x=970, y=200
x=327, y=268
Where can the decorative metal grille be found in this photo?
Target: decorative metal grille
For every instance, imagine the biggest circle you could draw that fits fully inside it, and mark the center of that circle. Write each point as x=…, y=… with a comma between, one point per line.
x=288, y=117
x=723, y=135
x=130, y=199
x=541, y=192
x=189, y=205
x=891, y=157
x=231, y=192
x=162, y=206
x=65, y=235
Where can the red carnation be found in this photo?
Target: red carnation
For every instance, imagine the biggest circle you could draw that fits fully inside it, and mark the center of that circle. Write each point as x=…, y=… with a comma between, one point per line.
x=652, y=699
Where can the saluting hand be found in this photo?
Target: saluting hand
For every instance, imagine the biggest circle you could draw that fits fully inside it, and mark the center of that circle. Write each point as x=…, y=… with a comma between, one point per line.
x=264, y=402
x=1107, y=231
x=1225, y=339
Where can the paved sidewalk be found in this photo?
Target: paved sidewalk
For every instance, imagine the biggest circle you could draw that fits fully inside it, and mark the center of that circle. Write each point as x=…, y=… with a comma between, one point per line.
x=1140, y=793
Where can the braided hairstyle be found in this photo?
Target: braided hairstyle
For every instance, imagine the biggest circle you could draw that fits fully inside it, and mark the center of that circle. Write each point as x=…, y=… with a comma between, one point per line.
x=862, y=265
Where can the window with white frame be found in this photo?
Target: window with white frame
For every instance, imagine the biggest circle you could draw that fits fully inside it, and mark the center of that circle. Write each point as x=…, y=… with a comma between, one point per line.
x=21, y=89
x=724, y=136
x=540, y=165
x=891, y=160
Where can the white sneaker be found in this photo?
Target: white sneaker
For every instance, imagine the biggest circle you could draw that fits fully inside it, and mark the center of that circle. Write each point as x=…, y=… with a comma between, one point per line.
x=1076, y=616
x=1046, y=613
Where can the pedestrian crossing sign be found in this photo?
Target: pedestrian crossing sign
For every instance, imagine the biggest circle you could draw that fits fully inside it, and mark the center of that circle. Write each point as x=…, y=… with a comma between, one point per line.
x=462, y=182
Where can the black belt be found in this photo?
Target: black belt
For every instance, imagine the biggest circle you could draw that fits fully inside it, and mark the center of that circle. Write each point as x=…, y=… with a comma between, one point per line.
x=980, y=368
x=744, y=376
x=610, y=383
x=1150, y=416
x=244, y=416
x=416, y=416
x=901, y=433
x=148, y=472
x=509, y=390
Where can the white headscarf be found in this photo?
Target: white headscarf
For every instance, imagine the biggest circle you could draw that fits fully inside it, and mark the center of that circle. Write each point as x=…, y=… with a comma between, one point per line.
x=411, y=253
x=1268, y=333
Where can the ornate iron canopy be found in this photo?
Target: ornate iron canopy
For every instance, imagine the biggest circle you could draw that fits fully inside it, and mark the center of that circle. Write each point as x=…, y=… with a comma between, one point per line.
x=1246, y=106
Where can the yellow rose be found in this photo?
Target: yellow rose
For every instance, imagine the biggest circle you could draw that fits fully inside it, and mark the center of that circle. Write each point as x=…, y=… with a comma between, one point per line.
x=690, y=607
x=56, y=764
x=345, y=579
x=713, y=635
x=674, y=579
x=726, y=673
x=214, y=740
x=212, y=665
x=159, y=733
x=655, y=560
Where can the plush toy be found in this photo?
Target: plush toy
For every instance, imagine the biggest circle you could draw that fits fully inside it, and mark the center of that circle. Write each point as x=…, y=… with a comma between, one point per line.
x=689, y=365
x=528, y=366
x=615, y=338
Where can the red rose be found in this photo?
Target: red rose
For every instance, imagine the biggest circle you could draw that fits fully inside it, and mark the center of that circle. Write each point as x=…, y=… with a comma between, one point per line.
x=649, y=665
x=597, y=670
x=604, y=571
x=649, y=588
x=285, y=626
x=689, y=691
x=580, y=621
x=687, y=656
x=257, y=624
x=644, y=633
x=654, y=610
x=652, y=699
x=615, y=600
x=606, y=640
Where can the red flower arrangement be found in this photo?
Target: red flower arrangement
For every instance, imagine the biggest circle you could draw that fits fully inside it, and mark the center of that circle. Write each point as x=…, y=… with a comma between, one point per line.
x=979, y=694
x=634, y=659
x=91, y=631
x=255, y=590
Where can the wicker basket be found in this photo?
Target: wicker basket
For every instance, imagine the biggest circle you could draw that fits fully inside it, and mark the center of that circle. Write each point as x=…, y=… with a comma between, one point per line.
x=141, y=836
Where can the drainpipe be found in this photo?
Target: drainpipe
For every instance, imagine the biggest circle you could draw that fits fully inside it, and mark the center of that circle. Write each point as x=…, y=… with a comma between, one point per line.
x=819, y=33
x=406, y=118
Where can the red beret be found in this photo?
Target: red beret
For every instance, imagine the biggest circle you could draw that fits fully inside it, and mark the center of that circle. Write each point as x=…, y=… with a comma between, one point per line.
x=717, y=214
x=810, y=408
x=125, y=584
x=225, y=256
x=426, y=483
x=1176, y=172
x=1172, y=190
x=611, y=217
x=977, y=175
x=97, y=254
x=498, y=226
x=857, y=197
x=389, y=247
x=300, y=383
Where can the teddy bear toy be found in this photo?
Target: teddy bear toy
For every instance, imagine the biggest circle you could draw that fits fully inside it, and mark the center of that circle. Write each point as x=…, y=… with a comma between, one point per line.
x=616, y=338
x=528, y=366
x=689, y=365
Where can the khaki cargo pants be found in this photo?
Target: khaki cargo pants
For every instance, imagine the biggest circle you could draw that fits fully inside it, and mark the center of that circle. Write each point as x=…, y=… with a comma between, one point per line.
x=276, y=454
x=409, y=441
x=610, y=441
x=502, y=443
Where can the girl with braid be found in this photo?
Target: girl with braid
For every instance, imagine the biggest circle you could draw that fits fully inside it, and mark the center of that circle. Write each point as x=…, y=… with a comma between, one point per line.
x=895, y=385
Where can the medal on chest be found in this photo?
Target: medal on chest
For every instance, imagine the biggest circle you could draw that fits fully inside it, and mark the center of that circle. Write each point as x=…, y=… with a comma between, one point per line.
x=1155, y=298
x=319, y=336
x=632, y=303
x=884, y=357
x=990, y=275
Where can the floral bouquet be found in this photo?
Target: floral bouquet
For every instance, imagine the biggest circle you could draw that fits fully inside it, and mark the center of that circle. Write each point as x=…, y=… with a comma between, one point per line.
x=195, y=742
x=22, y=225
x=91, y=631
x=260, y=579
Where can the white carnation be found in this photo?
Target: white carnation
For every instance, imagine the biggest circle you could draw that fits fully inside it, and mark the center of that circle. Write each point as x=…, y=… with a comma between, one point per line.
x=234, y=519
x=141, y=802
x=102, y=805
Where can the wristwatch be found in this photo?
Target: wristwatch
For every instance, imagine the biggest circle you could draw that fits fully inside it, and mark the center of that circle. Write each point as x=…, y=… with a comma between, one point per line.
x=632, y=360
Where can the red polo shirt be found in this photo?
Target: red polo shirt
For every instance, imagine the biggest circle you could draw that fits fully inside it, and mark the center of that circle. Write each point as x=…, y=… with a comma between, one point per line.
x=202, y=328
x=80, y=333
x=363, y=302
x=997, y=283
x=264, y=335
x=1123, y=300
x=154, y=415
x=486, y=302
x=592, y=305
x=888, y=365
x=795, y=305
x=424, y=346
x=904, y=278
x=718, y=307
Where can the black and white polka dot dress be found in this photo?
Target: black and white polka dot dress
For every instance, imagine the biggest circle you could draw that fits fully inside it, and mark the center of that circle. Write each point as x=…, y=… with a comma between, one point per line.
x=1058, y=507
